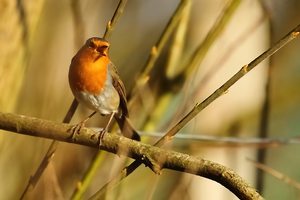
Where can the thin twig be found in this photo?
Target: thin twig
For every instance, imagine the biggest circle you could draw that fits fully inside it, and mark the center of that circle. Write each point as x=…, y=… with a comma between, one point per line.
x=200, y=106
x=112, y=23
x=157, y=48
x=219, y=64
x=280, y=176
x=49, y=154
x=224, y=88
x=153, y=157
x=219, y=141
x=173, y=67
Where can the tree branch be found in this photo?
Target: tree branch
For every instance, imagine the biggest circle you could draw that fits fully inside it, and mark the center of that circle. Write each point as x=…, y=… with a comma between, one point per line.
x=154, y=157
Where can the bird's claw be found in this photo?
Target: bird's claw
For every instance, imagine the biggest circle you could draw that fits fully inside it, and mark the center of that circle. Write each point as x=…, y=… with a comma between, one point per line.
x=101, y=135
x=76, y=130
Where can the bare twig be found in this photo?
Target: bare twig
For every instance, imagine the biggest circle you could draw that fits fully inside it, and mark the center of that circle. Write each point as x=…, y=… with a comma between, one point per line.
x=219, y=141
x=157, y=48
x=49, y=154
x=153, y=157
x=200, y=106
x=111, y=23
x=276, y=174
x=224, y=88
x=173, y=67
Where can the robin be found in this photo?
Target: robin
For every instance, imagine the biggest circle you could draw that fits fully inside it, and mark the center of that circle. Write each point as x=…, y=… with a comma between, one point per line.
x=95, y=82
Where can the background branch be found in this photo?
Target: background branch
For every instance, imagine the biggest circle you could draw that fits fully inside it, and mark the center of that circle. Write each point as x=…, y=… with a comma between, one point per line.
x=149, y=155
x=282, y=177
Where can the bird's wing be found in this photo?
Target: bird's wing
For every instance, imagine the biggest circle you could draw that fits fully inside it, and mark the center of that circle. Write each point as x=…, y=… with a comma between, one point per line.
x=119, y=86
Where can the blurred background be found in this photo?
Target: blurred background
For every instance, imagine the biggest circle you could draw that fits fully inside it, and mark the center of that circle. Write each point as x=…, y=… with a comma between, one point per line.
x=39, y=38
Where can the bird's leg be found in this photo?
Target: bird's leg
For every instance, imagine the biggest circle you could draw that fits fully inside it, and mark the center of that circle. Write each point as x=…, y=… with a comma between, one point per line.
x=103, y=131
x=76, y=128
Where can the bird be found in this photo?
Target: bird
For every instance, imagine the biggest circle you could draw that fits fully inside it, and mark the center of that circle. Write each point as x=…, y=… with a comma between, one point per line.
x=95, y=83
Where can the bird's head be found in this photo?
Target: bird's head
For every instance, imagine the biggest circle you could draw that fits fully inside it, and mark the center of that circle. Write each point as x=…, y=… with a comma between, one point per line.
x=98, y=46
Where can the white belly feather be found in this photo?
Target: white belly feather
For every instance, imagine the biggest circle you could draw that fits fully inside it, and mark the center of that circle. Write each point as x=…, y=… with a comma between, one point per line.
x=106, y=102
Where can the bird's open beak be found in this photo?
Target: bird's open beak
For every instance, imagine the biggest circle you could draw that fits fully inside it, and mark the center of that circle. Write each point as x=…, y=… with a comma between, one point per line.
x=102, y=50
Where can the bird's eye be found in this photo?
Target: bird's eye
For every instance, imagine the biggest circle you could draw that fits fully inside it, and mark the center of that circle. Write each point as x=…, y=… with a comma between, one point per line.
x=104, y=47
x=92, y=45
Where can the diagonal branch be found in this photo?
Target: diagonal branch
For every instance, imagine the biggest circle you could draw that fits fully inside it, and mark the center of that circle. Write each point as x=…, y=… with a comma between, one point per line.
x=224, y=88
x=200, y=106
x=149, y=155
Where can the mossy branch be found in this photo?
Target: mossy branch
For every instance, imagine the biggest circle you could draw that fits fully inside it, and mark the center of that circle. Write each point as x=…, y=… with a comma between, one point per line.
x=153, y=157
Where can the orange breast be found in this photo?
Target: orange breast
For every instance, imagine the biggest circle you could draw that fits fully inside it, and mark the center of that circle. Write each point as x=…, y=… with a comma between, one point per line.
x=89, y=75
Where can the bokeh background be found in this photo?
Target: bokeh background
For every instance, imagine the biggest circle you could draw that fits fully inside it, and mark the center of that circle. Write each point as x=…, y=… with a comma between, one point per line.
x=38, y=39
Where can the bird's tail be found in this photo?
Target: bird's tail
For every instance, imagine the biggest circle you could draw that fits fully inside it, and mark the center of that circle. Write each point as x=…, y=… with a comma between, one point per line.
x=127, y=128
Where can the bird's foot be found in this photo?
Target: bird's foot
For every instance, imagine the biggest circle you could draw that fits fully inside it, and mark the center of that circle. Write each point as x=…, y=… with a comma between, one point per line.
x=75, y=130
x=101, y=135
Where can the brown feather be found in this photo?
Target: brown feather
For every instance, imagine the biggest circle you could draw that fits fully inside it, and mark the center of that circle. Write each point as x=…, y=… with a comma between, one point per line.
x=119, y=86
x=123, y=118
